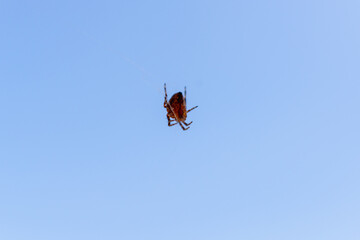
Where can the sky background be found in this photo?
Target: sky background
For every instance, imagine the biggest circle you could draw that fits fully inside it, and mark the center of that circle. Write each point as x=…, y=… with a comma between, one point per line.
x=273, y=152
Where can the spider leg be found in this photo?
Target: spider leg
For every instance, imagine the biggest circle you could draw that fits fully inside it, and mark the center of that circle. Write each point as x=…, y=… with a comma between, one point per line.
x=191, y=109
x=187, y=124
x=183, y=127
x=165, y=100
x=185, y=95
x=166, y=103
x=170, y=120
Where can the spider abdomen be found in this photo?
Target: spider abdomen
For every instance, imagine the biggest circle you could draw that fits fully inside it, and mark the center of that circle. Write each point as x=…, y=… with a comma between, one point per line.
x=177, y=104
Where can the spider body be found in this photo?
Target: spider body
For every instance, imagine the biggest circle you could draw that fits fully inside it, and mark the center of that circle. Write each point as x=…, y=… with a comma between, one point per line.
x=176, y=109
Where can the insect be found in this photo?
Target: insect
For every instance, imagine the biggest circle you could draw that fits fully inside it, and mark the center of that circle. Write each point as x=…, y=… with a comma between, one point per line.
x=176, y=109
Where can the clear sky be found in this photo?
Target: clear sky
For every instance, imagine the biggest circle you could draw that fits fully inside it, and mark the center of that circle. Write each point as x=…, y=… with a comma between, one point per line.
x=273, y=152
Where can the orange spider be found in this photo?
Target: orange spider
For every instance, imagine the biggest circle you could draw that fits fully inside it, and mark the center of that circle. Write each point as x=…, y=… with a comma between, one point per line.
x=176, y=108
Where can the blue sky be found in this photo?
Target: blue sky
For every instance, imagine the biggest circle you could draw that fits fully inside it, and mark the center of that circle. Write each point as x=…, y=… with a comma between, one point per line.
x=85, y=150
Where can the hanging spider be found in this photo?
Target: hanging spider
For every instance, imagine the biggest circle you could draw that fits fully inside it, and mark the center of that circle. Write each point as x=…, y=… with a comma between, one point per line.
x=176, y=109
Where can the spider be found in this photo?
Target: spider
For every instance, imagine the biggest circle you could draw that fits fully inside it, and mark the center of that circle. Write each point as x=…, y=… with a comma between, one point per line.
x=176, y=108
